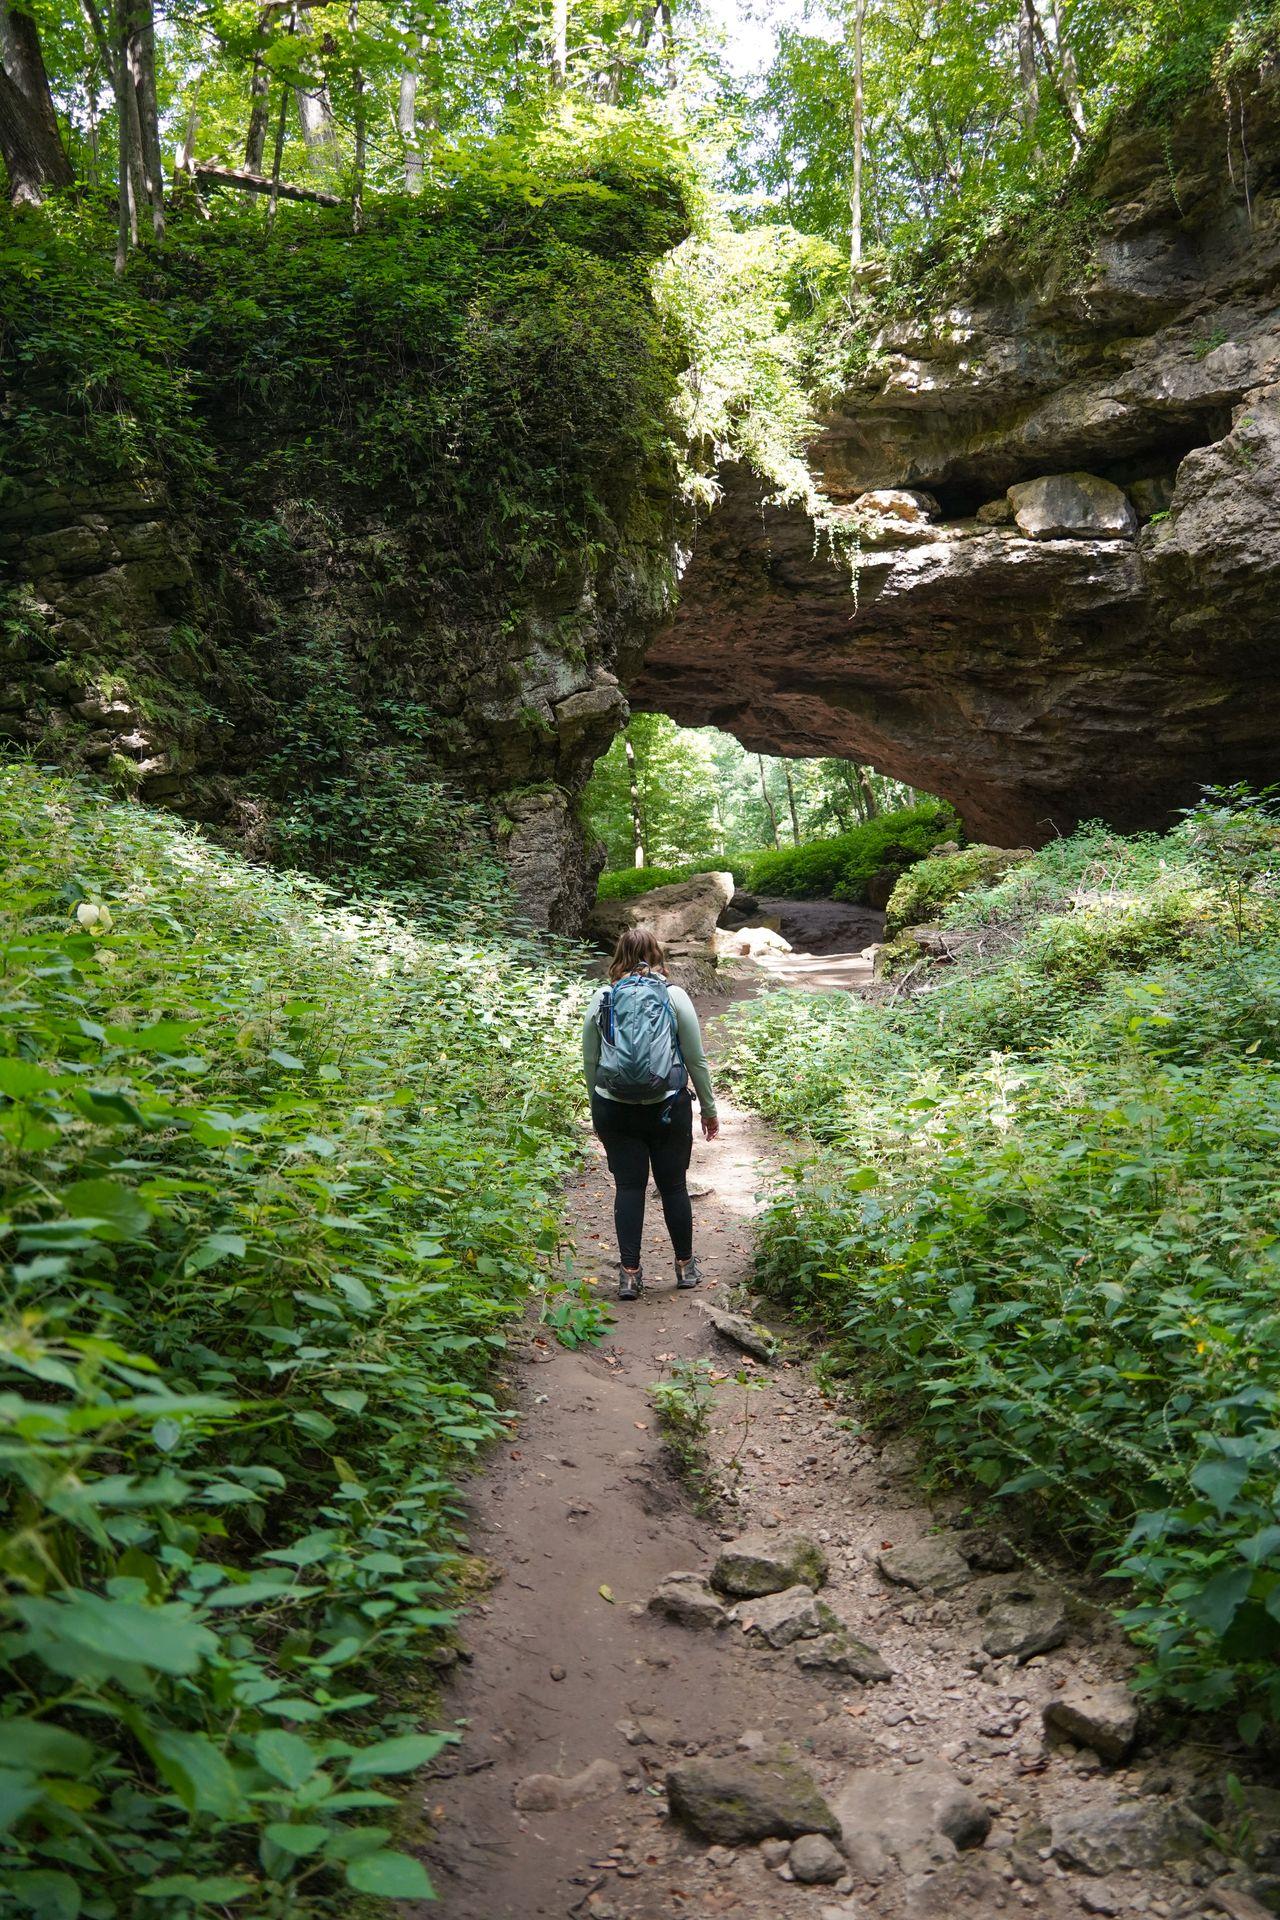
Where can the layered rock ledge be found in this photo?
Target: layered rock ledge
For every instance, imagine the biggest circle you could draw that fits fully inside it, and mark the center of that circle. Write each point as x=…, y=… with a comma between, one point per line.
x=1044, y=582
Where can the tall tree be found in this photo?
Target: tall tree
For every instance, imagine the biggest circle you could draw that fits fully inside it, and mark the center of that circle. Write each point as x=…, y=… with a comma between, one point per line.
x=1028, y=74
x=859, y=132
x=1059, y=66
x=637, y=813
x=315, y=109
x=769, y=807
x=139, y=37
x=791, y=801
x=255, y=144
x=359, y=118
x=560, y=43
x=30, y=142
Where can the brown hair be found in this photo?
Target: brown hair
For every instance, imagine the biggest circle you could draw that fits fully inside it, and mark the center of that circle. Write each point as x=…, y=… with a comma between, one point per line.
x=636, y=948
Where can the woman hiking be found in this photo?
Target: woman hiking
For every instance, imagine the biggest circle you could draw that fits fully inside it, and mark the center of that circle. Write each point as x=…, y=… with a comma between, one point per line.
x=640, y=1044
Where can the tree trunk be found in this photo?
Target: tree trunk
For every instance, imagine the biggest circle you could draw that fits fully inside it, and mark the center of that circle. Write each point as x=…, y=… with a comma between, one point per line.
x=669, y=44
x=1060, y=71
x=315, y=116
x=91, y=95
x=30, y=143
x=255, y=140
x=560, y=44
x=126, y=164
x=140, y=59
x=791, y=802
x=411, y=124
x=630, y=45
x=859, y=135
x=357, y=160
x=868, y=792
x=407, y=127
x=633, y=785
x=277, y=159
x=1070, y=71
x=1028, y=78
x=315, y=113
x=768, y=803
x=187, y=164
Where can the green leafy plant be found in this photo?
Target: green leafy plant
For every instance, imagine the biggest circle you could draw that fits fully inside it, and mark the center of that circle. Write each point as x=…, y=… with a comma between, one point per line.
x=1042, y=1220
x=575, y=1314
x=934, y=883
x=277, y=1169
x=843, y=865
x=684, y=1402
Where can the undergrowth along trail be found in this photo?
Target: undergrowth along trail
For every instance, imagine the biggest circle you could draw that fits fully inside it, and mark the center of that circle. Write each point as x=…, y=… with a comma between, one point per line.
x=277, y=1172
x=1041, y=1217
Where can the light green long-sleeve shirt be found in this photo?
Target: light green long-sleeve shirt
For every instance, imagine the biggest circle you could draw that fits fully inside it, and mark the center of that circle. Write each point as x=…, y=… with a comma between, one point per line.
x=690, y=1034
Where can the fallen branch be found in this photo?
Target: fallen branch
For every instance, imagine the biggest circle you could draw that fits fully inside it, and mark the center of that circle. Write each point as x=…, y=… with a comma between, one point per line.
x=259, y=183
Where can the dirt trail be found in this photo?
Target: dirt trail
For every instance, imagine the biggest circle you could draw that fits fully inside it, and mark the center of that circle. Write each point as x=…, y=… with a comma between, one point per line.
x=556, y=1674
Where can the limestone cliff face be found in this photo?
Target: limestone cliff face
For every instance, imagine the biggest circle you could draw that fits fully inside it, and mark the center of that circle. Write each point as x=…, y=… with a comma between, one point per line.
x=132, y=649
x=419, y=565
x=1035, y=674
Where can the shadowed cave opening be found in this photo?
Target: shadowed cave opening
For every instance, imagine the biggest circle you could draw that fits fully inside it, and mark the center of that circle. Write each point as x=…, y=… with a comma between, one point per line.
x=1155, y=456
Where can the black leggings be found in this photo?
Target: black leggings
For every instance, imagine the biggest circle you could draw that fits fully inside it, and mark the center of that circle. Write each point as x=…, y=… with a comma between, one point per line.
x=636, y=1138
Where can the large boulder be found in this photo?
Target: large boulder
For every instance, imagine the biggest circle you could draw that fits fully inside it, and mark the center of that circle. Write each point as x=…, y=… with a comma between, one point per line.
x=940, y=878
x=682, y=917
x=742, y=1799
x=552, y=870
x=1072, y=506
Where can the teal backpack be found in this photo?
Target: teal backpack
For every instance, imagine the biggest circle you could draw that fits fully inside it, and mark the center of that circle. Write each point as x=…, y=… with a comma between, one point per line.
x=640, y=1057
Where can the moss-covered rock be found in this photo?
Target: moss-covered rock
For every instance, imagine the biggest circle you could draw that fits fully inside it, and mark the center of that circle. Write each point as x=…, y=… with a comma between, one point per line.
x=352, y=524
x=739, y=1800
x=768, y=1563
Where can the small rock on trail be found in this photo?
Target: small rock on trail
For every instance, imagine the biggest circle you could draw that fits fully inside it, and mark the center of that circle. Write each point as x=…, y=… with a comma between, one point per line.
x=554, y=1793
x=1104, y=1718
x=840, y=1653
x=686, y=1597
x=918, y=1819
x=1023, y=1618
x=778, y=1619
x=741, y=1799
x=741, y=1332
x=814, y=1861
x=761, y=1563
x=935, y=1564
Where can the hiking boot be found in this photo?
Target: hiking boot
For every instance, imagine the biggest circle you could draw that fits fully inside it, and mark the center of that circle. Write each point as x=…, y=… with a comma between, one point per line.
x=629, y=1284
x=688, y=1273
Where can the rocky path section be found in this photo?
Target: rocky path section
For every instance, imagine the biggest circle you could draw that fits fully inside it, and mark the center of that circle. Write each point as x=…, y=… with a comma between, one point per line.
x=823, y=1698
